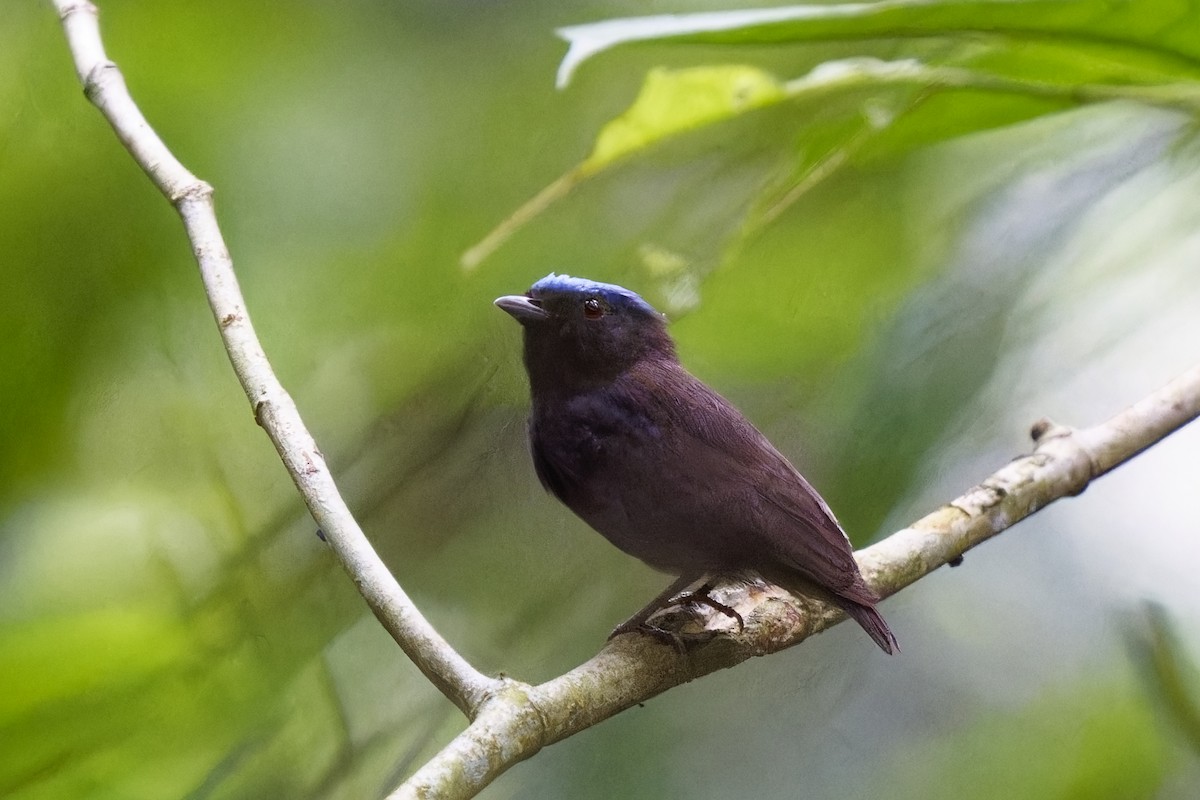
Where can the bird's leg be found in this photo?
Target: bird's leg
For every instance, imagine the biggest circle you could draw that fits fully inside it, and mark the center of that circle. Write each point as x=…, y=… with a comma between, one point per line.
x=701, y=596
x=638, y=620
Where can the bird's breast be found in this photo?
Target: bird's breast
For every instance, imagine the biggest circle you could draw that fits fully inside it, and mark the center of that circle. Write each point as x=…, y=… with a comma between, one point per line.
x=594, y=424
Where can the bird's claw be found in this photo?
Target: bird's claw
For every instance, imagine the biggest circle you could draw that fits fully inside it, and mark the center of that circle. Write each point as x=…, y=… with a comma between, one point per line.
x=680, y=639
x=664, y=636
x=701, y=597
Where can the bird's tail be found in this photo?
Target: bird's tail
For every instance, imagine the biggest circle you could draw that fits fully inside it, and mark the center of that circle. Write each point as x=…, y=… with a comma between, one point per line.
x=873, y=623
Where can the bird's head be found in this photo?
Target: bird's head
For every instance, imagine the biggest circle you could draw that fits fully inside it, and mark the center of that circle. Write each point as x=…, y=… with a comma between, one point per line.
x=580, y=333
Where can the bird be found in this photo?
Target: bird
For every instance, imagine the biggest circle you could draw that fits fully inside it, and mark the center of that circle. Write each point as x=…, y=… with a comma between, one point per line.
x=662, y=465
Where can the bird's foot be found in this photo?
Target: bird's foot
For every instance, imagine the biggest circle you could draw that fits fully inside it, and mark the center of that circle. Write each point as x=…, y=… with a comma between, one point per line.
x=701, y=597
x=628, y=626
x=677, y=639
x=670, y=638
x=677, y=609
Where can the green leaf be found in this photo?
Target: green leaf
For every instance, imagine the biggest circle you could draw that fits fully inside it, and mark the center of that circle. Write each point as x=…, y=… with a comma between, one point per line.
x=673, y=101
x=1159, y=31
x=1001, y=61
x=850, y=106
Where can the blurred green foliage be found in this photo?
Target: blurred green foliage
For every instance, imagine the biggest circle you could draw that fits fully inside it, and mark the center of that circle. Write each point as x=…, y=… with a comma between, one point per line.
x=172, y=627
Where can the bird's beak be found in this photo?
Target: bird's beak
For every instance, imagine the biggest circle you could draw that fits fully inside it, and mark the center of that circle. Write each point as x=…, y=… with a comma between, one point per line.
x=525, y=309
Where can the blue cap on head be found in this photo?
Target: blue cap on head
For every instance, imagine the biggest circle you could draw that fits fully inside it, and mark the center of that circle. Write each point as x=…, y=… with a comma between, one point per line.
x=615, y=295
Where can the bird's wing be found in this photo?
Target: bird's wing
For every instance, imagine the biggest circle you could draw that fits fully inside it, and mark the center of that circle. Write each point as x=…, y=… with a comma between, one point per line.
x=789, y=521
x=807, y=535
x=554, y=476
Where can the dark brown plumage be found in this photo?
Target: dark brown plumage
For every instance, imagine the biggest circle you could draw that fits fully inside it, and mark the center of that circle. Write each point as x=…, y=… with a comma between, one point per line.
x=660, y=464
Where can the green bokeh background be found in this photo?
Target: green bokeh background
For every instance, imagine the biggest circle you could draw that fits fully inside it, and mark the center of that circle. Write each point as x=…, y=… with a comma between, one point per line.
x=171, y=627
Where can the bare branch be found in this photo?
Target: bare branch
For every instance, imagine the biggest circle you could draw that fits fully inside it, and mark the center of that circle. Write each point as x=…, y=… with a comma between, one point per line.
x=517, y=722
x=273, y=408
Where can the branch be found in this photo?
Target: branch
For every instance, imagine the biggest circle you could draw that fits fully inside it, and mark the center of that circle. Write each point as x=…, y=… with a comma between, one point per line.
x=517, y=722
x=273, y=408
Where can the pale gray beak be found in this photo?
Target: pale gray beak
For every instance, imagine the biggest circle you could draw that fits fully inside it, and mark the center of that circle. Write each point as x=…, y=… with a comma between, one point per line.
x=523, y=308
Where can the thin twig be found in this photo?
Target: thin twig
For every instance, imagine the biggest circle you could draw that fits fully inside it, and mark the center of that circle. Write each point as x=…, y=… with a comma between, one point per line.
x=273, y=408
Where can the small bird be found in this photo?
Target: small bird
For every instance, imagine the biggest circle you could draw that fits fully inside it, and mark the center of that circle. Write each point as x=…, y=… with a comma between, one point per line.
x=664, y=467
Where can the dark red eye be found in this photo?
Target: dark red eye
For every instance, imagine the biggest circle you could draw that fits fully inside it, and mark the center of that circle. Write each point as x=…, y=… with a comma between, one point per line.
x=593, y=308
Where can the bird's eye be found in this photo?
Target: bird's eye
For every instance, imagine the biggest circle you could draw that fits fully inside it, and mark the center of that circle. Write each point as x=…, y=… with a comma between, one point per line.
x=593, y=308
